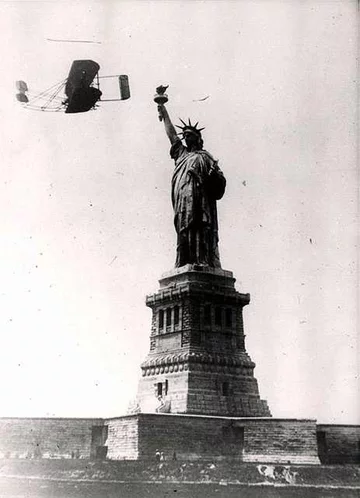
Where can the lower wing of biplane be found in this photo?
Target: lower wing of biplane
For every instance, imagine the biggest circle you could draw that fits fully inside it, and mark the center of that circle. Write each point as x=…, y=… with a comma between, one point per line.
x=79, y=92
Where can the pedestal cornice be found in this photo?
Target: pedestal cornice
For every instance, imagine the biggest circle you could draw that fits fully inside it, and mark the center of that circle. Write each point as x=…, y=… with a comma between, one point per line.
x=197, y=280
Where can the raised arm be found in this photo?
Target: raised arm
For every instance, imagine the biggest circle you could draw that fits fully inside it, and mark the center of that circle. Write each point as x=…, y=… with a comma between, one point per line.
x=169, y=127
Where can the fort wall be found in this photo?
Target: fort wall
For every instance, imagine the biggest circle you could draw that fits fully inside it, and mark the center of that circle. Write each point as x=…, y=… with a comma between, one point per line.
x=338, y=443
x=181, y=436
x=46, y=437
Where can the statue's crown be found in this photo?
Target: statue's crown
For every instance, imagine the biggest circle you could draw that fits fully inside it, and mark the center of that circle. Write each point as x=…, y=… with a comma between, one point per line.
x=190, y=128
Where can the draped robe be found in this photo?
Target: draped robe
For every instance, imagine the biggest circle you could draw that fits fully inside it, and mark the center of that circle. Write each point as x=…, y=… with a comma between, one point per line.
x=197, y=184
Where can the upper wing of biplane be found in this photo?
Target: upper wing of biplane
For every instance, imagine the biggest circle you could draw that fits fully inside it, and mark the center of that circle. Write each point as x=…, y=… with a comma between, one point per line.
x=79, y=92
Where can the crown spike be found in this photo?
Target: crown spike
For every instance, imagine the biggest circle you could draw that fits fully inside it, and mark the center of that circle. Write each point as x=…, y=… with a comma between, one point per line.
x=188, y=127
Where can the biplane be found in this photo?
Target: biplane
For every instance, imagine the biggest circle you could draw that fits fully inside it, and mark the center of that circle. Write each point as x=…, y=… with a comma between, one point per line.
x=79, y=92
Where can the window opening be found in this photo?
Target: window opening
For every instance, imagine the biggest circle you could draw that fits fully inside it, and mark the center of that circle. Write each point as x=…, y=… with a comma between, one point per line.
x=225, y=389
x=168, y=317
x=207, y=314
x=218, y=316
x=228, y=317
x=176, y=315
x=161, y=319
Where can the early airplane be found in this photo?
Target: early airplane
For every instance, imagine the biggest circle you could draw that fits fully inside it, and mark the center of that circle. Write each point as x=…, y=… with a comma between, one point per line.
x=79, y=92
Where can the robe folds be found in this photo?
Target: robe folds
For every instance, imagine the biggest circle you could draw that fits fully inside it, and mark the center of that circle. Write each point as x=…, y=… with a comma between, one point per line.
x=197, y=184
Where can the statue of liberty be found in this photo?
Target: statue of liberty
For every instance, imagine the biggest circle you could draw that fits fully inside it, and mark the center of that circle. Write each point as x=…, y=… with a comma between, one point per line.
x=197, y=184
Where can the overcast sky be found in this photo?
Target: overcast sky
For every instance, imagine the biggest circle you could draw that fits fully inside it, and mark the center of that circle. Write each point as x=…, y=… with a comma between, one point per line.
x=86, y=216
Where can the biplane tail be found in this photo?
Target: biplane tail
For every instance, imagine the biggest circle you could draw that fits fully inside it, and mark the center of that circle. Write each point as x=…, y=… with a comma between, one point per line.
x=22, y=88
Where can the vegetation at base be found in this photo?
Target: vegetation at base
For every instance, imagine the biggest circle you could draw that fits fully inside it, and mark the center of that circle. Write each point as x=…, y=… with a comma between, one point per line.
x=19, y=488
x=181, y=472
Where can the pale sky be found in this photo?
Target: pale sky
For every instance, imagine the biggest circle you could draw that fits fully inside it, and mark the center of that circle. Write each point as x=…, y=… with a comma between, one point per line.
x=86, y=216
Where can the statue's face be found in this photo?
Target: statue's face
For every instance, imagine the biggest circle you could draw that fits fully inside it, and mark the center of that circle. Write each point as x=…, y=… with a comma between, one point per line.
x=190, y=139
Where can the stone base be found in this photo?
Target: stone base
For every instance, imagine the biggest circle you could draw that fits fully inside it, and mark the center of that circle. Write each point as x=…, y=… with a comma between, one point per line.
x=199, y=274
x=197, y=437
x=136, y=437
x=198, y=363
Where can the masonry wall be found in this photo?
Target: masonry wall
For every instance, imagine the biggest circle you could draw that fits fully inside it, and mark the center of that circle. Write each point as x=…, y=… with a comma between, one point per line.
x=242, y=399
x=217, y=438
x=338, y=443
x=190, y=437
x=122, y=439
x=177, y=391
x=46, y=437
x=280, y=440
